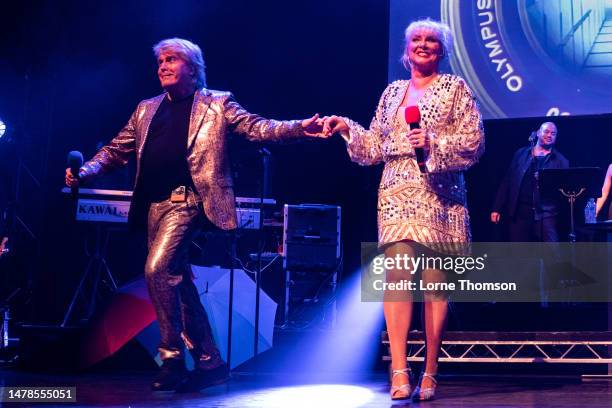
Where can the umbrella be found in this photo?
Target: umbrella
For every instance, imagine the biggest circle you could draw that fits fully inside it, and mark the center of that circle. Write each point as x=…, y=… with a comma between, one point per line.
x=130, y=314
x=213, y=286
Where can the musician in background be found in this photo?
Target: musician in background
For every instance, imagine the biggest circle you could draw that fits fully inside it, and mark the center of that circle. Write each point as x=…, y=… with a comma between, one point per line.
x=530, y=218
x=4, y=249
x=3, y=244
x=183, y=183
x=604, y=203
x=5, y=282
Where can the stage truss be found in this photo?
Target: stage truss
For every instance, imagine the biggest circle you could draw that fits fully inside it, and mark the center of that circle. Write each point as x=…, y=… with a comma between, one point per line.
x=515, y=347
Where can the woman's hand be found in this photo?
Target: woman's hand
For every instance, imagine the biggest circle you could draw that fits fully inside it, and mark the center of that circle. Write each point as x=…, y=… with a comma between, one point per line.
x=418, y=138
x=334, y=124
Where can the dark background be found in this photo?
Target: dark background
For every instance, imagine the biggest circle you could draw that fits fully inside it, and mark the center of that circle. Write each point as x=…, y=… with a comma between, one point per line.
x=71, y=73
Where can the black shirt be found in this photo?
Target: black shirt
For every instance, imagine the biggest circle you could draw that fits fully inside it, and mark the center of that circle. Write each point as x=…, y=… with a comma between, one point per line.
x=528, y=204
x=528, y=184
x=164, y=160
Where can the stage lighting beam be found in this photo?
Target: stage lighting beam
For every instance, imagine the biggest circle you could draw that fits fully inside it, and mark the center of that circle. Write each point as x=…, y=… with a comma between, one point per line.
x=2, y=128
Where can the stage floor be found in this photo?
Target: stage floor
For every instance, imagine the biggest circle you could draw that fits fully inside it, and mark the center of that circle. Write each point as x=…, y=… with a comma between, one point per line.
x=132, y=390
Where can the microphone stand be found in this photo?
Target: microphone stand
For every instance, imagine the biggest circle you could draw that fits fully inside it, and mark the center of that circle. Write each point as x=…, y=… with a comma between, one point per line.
x=232, y=237
x=265, y=156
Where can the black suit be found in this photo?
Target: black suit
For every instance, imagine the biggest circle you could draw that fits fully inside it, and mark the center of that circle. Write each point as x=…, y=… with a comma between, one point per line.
x=537, y=223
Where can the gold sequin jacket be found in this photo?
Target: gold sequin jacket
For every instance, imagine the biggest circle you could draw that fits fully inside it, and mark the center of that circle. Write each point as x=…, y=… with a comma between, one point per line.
x=427, y=208
x=213, y=115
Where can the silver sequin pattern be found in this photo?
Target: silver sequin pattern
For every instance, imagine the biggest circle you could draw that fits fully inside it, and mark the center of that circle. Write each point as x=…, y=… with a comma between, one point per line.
x=430, y=209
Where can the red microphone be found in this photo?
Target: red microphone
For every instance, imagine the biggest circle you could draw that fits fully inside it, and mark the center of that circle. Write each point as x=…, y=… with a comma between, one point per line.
x=413, y=117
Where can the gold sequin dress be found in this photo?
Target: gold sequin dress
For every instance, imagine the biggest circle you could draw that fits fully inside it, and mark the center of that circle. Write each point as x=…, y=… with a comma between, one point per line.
x=427, y=208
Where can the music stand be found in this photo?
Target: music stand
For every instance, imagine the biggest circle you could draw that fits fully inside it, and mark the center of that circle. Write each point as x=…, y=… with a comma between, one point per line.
x=570, y=183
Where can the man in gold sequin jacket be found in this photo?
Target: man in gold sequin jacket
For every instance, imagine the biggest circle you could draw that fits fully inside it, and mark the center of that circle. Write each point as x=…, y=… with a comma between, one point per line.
x=183, y=184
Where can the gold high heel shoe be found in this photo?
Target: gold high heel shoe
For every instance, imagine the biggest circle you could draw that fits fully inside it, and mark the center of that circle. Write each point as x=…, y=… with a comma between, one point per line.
x=425, y=394
x=401, y=392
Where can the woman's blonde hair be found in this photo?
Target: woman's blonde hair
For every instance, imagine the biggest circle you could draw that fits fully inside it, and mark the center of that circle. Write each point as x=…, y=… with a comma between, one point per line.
x=442, y=31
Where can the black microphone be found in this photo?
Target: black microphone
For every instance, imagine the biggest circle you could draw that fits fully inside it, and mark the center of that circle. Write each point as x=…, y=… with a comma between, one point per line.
x=75, y=161
x=533, y=137
x=413, y=117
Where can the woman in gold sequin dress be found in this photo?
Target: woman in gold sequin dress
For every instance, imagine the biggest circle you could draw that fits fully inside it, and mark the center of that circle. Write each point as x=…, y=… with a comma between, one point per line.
x=419, y=213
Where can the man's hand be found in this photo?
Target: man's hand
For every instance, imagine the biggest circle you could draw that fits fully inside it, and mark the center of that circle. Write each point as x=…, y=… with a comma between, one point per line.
x=313, y=127
x=70, y=180
x=495, y=216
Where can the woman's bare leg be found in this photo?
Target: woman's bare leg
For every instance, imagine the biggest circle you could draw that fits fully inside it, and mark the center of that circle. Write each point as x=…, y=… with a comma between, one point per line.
x=398, y=311
x=435, y=312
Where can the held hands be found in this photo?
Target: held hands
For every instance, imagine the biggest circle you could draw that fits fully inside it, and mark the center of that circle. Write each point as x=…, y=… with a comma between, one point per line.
x=334, y=124
x=313, y=126
x=324, y=127
x=328, y=125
